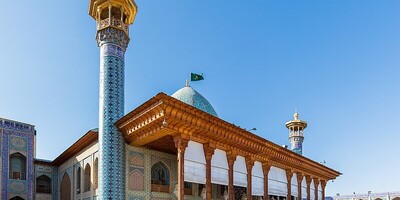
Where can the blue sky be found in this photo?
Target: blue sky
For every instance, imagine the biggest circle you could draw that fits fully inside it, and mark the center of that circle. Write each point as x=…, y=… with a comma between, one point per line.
x=336, y=61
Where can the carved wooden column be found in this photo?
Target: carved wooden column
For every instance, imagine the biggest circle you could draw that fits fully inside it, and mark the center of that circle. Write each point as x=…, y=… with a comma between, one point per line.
x=299, y=181
x=308, y=182
x=249, y=167
x=231, y=160
x=181, y=144
x=266, y=167
x=208, y=152
x=289, y=175
x=323, y=185
x=316, y=183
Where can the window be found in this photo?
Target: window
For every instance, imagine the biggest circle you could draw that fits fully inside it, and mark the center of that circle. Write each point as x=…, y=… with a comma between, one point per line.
x=160, y=178
x=43, y=184
x=78, y=180
x=17, y=166
x=86, y=182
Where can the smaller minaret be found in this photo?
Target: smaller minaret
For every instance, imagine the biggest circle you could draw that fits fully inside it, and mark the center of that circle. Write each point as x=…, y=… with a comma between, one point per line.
x=296, y=133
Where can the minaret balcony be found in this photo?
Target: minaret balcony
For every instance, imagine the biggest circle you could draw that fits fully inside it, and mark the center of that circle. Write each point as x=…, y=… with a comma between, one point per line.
x=113, y=22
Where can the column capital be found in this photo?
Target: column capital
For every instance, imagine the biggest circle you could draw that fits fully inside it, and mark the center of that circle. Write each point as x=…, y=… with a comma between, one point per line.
x=323, y=184
x=289, y=174
x=249, y=163
x=209, y=150
x=181, y=143
x=266, y=166
x=308, y=180
x=316, y=182
x=299, y=178
x=231, y=157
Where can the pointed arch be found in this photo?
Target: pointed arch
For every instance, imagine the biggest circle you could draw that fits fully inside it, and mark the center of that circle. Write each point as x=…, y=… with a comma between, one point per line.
x=96, y=173
x=65, y=189
x=43, y=184
x=17, y=166
x=160, y=177
x=86, y=180
x=17, y=198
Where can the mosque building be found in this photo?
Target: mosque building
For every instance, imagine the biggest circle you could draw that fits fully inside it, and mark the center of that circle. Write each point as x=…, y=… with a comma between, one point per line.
x=170, y=147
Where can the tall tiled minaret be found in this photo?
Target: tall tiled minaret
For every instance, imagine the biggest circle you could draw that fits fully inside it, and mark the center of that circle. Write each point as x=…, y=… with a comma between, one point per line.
x=113, y=18
x=296, y=133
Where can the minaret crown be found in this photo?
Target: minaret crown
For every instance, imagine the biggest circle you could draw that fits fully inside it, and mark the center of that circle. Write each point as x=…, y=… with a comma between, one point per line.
x=296, y=133
x=118, y=14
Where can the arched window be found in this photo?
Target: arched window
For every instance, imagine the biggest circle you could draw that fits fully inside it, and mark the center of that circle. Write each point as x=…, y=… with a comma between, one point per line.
x=17, y=166
x=96, y=173
x=86, y=182
x=17, y=198
x=159, y=174
x=78, y=180
x=65, y=189
x=43, y=184
x=160, y=178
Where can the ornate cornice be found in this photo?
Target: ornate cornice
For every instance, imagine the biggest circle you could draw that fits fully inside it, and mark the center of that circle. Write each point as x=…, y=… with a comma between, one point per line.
x=145, y=124
x=112, y=35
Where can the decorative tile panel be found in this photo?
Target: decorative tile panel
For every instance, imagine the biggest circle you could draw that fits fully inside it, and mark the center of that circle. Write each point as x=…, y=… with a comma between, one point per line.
x=17, y=137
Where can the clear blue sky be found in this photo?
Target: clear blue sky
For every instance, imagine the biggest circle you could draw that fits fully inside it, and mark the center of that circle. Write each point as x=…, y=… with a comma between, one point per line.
x=336, y=61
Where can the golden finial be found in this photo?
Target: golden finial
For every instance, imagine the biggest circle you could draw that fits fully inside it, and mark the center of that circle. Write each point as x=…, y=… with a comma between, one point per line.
x=296, y=116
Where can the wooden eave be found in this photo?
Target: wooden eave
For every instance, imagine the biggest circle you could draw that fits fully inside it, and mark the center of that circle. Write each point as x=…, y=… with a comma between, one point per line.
x=83, y=142
x=145, y=124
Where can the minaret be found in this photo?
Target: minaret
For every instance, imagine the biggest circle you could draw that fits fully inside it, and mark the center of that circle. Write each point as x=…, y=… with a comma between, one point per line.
x=296, y=133
x=113, y=18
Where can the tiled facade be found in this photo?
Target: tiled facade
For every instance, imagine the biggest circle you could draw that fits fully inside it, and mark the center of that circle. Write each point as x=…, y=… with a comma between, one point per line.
x=140, y=160
x=17, y=138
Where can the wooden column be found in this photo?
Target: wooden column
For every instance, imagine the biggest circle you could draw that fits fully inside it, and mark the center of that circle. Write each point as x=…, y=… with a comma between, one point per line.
x=249, y=167
x=266, y=167
x=299, y=181
x=231, y=160
x=323, y=185
x=316, y=183
x=181, y=144
x=308, y=181
x=289, y=175
x=208, y=152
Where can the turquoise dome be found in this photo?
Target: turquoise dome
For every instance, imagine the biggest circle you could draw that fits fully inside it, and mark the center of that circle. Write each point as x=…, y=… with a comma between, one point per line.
x=190, y=96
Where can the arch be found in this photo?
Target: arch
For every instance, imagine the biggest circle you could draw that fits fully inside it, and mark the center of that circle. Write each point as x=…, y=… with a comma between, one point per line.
x=96, y=173
x=65, y=189
x=160, y=174
x=160, y=178
x=86, y=180
x=43, y=184
x=396, y=198
x=17, y=166
x=136, y=180
x=378, y=199
x=78, y=180
x=17, y=198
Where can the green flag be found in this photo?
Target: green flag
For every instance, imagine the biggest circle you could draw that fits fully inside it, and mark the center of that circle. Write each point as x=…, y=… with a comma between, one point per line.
x=196, y=77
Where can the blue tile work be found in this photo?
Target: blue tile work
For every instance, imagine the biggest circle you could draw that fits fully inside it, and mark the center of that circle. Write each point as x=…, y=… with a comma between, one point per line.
x=17, y=137
x=112, y=43
x=55, y=189
x=190, y=96
x=52, y=173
